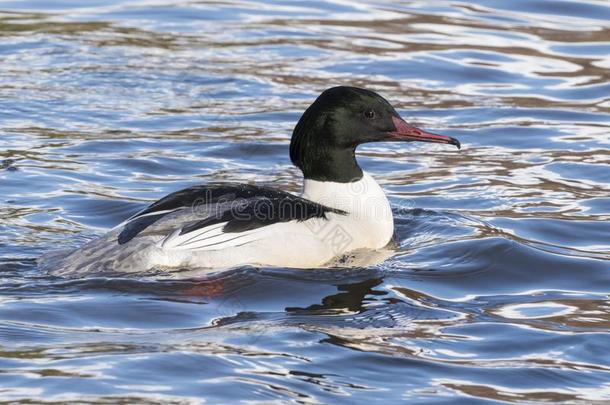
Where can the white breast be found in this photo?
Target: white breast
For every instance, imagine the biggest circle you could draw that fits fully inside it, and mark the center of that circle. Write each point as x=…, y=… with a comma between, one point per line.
x=369, y=223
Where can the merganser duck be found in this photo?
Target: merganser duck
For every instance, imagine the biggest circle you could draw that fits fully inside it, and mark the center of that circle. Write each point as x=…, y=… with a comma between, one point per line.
x=217, y=226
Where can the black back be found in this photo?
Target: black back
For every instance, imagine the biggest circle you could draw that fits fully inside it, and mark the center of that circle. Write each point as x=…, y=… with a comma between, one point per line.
x=249, y=207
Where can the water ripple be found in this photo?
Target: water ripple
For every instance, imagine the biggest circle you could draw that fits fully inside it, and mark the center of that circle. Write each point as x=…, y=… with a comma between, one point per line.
x=498, y=291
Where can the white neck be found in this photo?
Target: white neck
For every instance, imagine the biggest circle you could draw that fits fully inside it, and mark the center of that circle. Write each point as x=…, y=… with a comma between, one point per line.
x=364, y=199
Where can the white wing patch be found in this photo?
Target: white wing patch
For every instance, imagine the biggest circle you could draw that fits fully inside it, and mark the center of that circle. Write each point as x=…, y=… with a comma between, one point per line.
x=209, y=238
x=122, y=224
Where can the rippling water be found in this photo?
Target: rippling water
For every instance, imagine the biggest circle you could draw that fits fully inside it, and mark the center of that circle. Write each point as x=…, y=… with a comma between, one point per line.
x=500, y=289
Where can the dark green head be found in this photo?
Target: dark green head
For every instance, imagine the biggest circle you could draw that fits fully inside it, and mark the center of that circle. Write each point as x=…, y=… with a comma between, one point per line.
x=324, y=140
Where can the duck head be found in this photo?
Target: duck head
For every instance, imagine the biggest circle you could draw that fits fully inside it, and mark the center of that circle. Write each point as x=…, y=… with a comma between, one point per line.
x=325, y=139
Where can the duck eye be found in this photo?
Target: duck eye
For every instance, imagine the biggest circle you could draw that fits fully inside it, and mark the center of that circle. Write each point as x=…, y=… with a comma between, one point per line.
x=369, y=114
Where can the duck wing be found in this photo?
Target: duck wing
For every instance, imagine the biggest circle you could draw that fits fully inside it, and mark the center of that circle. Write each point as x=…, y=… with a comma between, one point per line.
x=206, y=215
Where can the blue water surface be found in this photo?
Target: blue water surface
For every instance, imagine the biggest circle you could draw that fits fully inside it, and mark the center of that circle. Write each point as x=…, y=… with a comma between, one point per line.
x=499, y=291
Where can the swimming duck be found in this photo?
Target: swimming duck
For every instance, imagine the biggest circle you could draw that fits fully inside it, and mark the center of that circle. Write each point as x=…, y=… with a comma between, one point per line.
x=216, y=226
